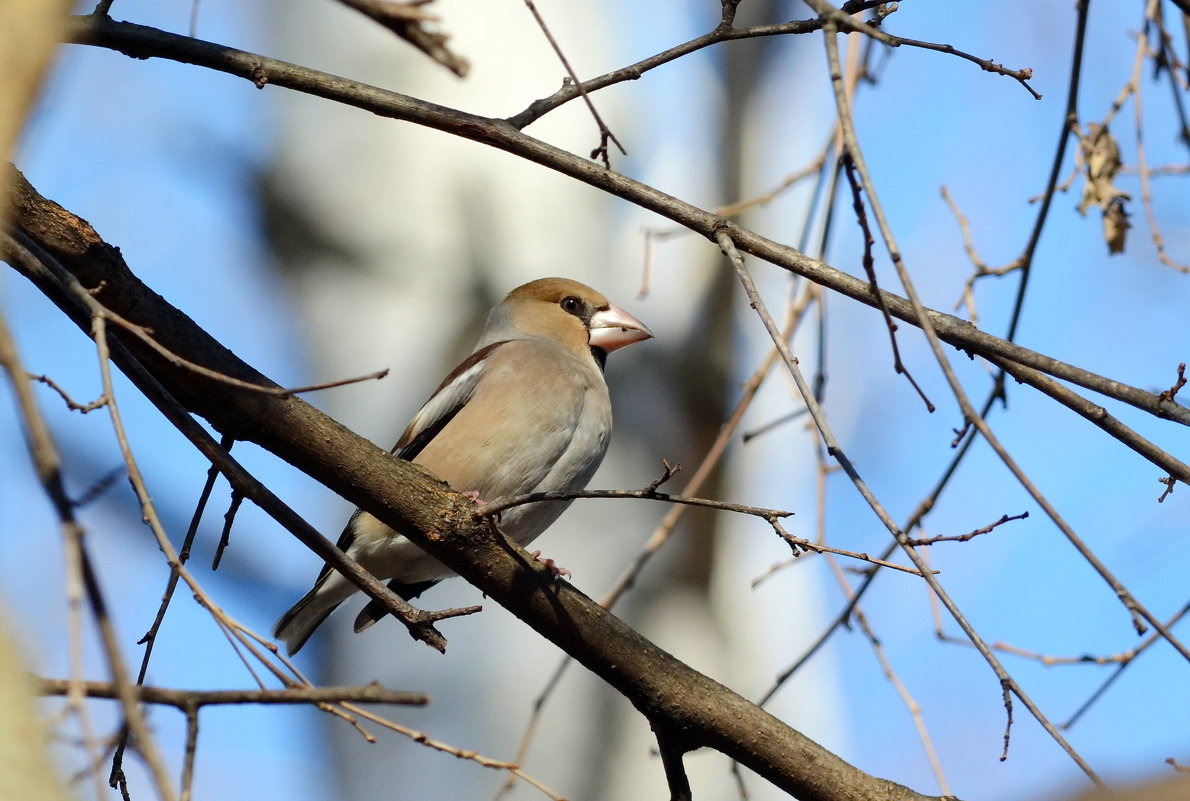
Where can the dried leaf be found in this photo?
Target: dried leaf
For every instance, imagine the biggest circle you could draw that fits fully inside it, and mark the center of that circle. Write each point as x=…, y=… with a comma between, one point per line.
x=1115, y=227
x=1101, y=162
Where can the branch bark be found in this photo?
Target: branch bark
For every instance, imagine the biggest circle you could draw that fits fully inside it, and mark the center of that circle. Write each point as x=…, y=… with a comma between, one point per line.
x=674, y=697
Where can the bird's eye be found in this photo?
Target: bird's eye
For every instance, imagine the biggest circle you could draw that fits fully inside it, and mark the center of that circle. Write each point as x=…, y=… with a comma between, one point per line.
x=571, y=304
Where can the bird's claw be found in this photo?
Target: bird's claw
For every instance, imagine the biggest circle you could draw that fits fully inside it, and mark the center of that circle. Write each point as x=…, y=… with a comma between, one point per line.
x=550, y=565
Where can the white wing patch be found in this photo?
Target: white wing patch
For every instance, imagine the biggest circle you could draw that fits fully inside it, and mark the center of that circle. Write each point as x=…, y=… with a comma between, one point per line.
x=440, y=408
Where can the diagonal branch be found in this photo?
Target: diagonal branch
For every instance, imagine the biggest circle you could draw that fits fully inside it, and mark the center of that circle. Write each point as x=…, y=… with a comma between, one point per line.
x=420, y=623
x=725, y=31
x=834, y=449
x=143, y=42
x=669, y=693
x=605, y=133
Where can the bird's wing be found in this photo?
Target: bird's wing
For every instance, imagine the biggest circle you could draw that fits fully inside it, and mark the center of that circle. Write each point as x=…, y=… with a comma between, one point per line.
x=451, y=396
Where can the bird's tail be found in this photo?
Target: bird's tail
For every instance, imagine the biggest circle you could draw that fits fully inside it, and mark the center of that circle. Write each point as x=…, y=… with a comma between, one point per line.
x=296, y=625
x=375, y=610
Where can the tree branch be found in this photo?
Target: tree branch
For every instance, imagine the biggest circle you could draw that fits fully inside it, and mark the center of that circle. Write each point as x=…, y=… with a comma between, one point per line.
x=142, y=42
x=667, y=691
x=185, y=699
x=75, y=301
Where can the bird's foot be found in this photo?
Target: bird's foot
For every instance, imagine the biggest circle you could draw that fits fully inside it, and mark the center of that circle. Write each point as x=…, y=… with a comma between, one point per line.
x=550, y=565
x=474, y=496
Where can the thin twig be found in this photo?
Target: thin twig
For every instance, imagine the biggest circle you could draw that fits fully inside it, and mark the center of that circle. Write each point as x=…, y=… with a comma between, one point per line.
x=761, y=430
x=189, y=753
x=1177, y=385
x=605, y=133
x=723, y=32
x=792, y=179
x=1123, y=665
x=1146, y=192
x=834, y=449
x=842, y=19
x=72, y=404
x=47, y=461
x=229, y=517
x=726, y=32
x=970, y=535
x=771, y=516
x=1139, y=613
x=143, y=334
x=1069, y=122
x=490, y=510
x=981, y=268
x=907, y=698
x=182, y=699
x=857, y=204
x=422, y=738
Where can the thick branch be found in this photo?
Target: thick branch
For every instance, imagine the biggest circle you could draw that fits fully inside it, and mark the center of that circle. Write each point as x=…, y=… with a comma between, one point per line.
x=81, y=305
x=668, y=692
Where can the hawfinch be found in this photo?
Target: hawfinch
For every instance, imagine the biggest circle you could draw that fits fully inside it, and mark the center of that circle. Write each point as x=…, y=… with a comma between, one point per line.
x=528, y=411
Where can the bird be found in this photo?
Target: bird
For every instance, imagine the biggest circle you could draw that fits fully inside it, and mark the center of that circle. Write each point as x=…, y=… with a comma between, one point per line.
x=527, y=411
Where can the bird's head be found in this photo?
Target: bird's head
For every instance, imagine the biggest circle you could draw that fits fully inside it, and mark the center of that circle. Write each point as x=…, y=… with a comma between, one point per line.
x=568, y=312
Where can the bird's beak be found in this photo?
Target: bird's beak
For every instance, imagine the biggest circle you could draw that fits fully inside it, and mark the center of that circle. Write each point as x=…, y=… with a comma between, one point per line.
x=613, y=328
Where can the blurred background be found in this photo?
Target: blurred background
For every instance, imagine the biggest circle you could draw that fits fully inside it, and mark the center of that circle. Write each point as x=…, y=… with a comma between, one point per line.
x=319, y=242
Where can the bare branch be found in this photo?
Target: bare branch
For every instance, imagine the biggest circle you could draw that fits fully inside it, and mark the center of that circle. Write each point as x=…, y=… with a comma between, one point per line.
x=837, y=452
x=186, y=699
x=857, y=204
x=142, y=42
x=1181, y=382
x=726, y=32
x=490, y=510
x=842, y=19
x=1140, y=614
x=970, y=535
x=1100, y=417
x=605, y=133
